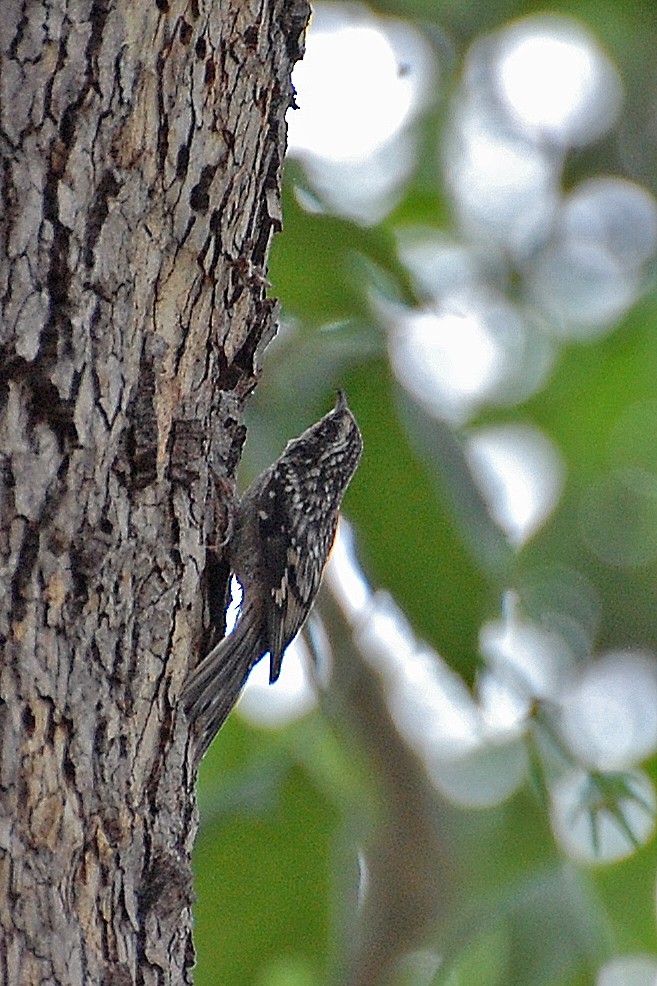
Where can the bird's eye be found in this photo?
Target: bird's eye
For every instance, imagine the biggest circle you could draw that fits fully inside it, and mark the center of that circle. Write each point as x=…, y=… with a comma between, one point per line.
x=333, y=430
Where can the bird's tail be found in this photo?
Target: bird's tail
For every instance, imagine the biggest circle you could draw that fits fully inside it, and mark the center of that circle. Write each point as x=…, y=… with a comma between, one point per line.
x=214, y=686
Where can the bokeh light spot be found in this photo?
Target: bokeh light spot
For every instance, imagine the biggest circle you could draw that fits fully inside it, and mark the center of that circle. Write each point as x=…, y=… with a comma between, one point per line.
x=520, y=474
x=609, y=714
x=604, y=836
x=629, y=970
x=556, y=81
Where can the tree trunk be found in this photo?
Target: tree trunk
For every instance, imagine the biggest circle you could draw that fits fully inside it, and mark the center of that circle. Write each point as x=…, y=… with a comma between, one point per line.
x=141, y=149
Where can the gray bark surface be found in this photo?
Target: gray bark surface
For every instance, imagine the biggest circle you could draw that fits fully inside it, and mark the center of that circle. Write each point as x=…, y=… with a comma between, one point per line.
x=141, y=148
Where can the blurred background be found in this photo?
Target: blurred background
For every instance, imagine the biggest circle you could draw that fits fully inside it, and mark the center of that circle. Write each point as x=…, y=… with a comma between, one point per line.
x=452, y=784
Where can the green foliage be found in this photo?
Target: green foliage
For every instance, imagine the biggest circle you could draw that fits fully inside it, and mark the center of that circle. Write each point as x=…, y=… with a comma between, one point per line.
x=284, y=814
x=263, y=868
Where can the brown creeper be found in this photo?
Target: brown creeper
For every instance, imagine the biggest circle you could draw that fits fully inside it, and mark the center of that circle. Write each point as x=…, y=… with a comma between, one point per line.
x=283, y=532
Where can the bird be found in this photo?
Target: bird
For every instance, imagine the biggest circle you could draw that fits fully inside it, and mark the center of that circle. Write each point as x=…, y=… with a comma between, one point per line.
x=282, y=533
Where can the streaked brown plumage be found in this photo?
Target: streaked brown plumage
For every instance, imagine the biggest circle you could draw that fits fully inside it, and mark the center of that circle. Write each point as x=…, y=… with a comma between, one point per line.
x=283, y=533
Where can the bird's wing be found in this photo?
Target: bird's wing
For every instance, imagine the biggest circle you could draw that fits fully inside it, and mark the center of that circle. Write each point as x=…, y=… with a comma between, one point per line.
x=292, y=568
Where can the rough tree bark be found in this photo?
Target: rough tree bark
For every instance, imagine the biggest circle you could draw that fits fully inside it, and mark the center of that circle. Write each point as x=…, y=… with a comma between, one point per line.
x=141, y=149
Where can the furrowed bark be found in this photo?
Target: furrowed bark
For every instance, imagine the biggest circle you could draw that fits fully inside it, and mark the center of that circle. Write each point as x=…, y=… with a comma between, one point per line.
x=141, y=146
